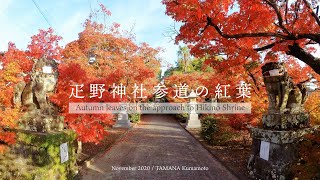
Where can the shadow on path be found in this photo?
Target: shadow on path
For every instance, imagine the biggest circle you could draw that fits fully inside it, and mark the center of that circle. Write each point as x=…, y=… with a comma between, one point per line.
x=157, y=148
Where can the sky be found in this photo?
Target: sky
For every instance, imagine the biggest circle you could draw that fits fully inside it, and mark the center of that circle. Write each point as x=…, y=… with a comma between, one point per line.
x=20, y=19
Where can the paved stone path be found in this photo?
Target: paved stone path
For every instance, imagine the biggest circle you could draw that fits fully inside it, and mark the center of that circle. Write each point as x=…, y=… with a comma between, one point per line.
x=158, y=143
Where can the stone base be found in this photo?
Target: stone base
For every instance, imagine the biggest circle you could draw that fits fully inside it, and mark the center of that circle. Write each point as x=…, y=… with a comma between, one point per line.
x=35, y=121
x=281, y=121
x=36, y=155
x=193, y=121
x=122, y=124
x=280, y=154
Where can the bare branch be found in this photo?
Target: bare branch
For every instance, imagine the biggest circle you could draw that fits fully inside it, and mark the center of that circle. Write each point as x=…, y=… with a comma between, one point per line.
x=171, y=32
x=268, y=46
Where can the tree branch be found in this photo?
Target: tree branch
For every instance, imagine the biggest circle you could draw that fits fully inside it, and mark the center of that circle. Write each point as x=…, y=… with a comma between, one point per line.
x=254, y=80
x=286, y=12
x=296, y=51
x=279, y=16
x=312, y=13
x=314, y=37
x=268, y=46
x=265, y=47
x=243, y=35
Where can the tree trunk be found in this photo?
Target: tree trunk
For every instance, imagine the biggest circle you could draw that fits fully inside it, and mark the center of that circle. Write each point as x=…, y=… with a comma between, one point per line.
x=79, y=150
x=296, y=51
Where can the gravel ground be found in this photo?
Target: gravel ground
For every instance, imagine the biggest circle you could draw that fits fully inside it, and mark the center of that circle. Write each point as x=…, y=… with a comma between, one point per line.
x=157, y=148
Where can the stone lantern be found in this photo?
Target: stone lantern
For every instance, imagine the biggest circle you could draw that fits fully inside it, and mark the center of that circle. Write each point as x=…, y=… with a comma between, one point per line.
x=123, y=120
x=193, y=97
x=92, y=59
x=193, y=118
x=92, y=56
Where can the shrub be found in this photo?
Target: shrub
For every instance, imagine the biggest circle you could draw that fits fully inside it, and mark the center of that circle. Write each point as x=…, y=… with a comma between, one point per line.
x=135, y=117
x=225, y=136
x=209, y=126
x=308, y=164
x=182, y=117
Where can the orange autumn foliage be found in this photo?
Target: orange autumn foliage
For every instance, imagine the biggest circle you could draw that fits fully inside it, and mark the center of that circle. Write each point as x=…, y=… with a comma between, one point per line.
x=248, y=34
x=89, y=127
x=118, y=60
x=118, y=57
x=16, y=66
x=14, y=63
x=244, y=29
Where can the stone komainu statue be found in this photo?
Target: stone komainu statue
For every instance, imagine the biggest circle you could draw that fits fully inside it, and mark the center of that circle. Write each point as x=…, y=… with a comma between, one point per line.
x=286, y=99
x=284, y=96
x=32, y=96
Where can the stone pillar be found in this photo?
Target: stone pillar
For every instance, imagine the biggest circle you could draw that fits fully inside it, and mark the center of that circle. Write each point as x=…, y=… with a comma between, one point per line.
x=273, y=151
x=122, y=120
x=193, y=119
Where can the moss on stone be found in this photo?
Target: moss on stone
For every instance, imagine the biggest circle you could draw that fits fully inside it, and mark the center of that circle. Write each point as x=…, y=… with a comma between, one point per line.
x=37, y=156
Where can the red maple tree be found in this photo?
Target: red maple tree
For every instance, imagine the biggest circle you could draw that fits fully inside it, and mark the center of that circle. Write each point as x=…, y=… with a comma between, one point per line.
x=14, y=65
x=117, y=59
x=248, y=34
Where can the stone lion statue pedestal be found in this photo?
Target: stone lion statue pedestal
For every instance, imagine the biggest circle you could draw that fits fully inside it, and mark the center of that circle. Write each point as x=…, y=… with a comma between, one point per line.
x=45, y=149
x=40, y=115
x=283, y=125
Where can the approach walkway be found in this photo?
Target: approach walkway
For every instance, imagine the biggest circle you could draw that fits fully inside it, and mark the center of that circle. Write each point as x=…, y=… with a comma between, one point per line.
x=157, y=148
